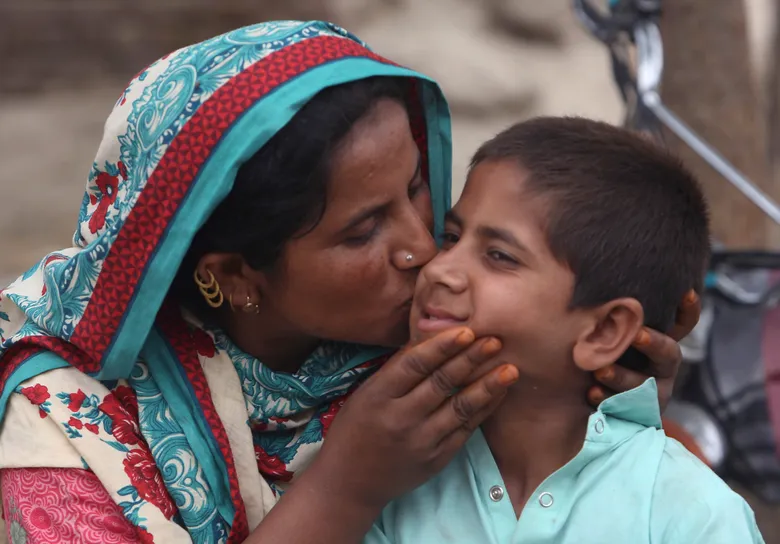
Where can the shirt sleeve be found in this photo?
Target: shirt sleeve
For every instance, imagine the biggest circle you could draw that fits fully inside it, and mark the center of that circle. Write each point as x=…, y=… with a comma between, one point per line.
x=692, y=505
x=64, y=505
x=705, y=523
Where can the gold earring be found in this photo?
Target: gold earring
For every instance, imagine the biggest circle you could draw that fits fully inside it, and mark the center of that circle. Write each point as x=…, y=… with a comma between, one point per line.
x=250, y=306
x=210, y=290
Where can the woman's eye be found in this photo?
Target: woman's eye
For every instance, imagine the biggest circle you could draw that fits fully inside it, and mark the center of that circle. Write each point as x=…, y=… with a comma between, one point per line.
x=417, y=187
x=361, y=239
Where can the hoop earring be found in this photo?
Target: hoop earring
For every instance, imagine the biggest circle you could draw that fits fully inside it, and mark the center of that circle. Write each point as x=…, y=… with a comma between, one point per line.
x=210, y=289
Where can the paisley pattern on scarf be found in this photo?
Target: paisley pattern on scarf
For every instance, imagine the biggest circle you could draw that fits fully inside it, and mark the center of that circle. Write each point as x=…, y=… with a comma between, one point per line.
x=290, y=413
x=179, y=467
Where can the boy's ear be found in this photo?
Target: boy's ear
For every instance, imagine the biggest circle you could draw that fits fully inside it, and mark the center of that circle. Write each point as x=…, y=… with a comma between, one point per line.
x=610, y=331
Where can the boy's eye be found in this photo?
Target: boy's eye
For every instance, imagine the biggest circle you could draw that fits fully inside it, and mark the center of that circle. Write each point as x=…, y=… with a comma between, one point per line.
x=448, y=239
x=501, y=257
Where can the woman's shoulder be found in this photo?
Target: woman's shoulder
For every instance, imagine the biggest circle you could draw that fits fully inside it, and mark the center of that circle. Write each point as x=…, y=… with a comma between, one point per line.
x=48, y=416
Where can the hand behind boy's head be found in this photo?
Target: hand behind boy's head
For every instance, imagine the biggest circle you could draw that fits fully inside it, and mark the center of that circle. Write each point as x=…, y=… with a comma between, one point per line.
x=566, y=229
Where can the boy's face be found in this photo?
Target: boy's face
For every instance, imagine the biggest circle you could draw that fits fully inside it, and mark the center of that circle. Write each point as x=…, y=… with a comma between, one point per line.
x=496, y=275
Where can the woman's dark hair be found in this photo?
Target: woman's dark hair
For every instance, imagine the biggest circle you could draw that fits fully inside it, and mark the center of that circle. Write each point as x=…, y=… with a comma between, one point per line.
x=281, y=189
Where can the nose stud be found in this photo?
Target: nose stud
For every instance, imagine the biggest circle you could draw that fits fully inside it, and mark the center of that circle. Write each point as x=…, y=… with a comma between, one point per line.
x=409, y=257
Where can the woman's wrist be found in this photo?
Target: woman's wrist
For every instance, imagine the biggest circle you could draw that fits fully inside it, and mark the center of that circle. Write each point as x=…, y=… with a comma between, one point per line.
x=332, y=514
x=332, y=482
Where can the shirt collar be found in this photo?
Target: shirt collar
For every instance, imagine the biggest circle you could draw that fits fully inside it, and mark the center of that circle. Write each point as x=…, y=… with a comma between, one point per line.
x=618, y=419
x=638, y=405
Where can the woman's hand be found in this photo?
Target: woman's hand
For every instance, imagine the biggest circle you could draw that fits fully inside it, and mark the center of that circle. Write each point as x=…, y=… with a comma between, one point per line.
x=395, y=432
x=662, y=350
x=408, y=420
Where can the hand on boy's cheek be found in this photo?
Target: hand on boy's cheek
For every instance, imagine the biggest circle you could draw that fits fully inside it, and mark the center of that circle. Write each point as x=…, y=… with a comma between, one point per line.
x=485, y=368
x=482, y=370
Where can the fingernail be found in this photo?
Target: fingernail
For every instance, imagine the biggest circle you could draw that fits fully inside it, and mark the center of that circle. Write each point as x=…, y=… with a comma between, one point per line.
x=605, y=374
x=464, y=338
x=642, y=339
x=508, y=375
x=596, y=396
x=690, y=298
x=491, y=346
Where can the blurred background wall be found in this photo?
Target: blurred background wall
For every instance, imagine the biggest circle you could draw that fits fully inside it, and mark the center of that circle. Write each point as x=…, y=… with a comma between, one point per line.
x=63, y=63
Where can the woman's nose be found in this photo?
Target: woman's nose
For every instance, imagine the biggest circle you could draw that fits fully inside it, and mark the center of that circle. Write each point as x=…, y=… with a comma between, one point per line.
x=417, y=245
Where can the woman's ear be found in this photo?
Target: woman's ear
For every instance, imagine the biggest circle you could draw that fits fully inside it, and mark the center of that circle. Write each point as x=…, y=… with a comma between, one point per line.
x=610, y=332
x=235, y=278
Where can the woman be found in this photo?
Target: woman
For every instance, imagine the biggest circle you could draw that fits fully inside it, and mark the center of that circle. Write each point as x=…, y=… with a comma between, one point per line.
x=294, y=187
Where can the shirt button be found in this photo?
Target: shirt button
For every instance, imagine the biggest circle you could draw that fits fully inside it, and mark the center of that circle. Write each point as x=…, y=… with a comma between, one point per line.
x=496, y=493
x=546, y=500
x=599, y=426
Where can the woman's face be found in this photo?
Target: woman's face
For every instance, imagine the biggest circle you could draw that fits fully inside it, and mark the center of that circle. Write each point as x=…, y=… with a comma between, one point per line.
x=349, y=279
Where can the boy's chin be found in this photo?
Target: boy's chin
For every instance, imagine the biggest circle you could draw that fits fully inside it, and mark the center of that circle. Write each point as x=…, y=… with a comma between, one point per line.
x=417, y=336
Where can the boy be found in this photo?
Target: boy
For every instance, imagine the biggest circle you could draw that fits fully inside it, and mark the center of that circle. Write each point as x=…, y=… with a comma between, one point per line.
x=569, y=236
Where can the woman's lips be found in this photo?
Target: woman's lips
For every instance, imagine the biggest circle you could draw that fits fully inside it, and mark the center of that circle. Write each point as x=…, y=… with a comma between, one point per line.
x=435, y=320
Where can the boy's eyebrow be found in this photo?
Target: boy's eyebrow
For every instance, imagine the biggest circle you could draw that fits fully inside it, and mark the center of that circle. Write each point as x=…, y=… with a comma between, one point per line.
x=494, y=233
x=503, y=235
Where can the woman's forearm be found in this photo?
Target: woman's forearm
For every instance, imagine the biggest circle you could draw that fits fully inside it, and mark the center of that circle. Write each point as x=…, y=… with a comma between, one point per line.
x=313, y=510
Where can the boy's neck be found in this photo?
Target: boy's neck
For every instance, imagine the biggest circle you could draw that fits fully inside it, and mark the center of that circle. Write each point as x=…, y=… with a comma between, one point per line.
x=534, y=432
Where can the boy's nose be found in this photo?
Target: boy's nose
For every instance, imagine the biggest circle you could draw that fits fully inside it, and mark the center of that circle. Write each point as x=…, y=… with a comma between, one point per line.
x=443, y=270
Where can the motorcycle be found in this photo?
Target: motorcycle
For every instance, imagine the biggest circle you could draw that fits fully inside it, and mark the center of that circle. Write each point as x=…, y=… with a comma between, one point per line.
x=726, y=405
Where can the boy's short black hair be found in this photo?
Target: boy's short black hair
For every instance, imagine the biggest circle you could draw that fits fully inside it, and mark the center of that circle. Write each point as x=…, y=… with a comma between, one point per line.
x=624, y=214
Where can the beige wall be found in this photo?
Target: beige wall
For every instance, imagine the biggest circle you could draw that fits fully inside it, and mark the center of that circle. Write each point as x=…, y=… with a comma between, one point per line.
x=68, y=61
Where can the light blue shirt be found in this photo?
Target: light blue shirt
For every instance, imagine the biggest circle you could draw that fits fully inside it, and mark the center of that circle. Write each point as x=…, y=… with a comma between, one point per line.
x=629, y=484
